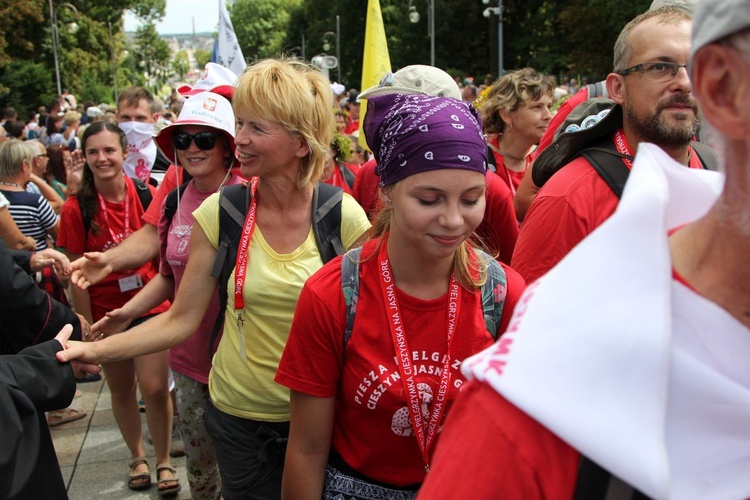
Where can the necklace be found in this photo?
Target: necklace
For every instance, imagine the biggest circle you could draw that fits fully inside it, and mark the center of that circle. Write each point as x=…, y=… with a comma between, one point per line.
x=11, y=184
x=506, y=155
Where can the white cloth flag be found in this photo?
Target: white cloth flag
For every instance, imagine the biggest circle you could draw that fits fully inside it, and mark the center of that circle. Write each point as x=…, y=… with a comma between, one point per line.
x=228, y=51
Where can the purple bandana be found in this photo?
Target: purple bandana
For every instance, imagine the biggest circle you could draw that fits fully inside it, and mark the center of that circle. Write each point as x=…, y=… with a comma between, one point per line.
x=411, y=133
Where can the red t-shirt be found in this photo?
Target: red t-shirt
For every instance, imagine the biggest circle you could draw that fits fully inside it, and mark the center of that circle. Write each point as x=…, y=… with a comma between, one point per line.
x=366, y=187
x=107, y=295
x=491, y=449
x=337, y=178
x=372, y=429
x=574, y=202
x=351, y=126
x=510, y=177
x=499, y=227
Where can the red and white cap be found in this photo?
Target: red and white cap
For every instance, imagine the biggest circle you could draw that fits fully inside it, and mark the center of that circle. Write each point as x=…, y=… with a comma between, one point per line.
x=205, y=108
x=215, y=78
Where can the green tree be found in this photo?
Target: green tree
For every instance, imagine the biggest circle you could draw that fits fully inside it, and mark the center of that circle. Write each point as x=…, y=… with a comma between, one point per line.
x=202, y=57
x=261, y=25
x=180, y=64
x=155, y=55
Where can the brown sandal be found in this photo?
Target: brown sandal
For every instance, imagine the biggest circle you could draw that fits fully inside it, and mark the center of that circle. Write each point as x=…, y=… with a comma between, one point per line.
x=140, y=481
x=59, y=417
x=171, y=485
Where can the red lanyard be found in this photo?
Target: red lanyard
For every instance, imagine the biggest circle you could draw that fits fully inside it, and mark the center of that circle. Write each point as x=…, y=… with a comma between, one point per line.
x=403, y=355
x=621, y=143
x=240, y=270
x=103, y=208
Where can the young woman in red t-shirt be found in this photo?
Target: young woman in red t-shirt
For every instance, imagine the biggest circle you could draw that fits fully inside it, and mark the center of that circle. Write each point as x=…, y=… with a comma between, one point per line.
x=114, y=211
x=365, y=416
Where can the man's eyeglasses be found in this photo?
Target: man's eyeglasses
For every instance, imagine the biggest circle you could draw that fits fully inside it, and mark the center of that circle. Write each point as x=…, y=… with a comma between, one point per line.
x=657, y=71
x=204, y=140
x=45, y=155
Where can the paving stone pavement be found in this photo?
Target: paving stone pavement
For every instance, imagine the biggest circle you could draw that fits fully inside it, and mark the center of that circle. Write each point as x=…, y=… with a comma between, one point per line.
x=93, y=456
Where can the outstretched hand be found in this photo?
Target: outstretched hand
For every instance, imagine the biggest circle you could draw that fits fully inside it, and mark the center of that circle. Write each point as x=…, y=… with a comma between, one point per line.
x=113, y=322
x=90, y=269
x=50, y=257
x=79, y=362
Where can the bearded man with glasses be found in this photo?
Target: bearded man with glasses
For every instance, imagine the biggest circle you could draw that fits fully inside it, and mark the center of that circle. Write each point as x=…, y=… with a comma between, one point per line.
x=651, y=88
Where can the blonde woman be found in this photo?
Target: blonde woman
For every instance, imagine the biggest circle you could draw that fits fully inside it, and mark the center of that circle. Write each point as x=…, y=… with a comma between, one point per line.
x=284, y=128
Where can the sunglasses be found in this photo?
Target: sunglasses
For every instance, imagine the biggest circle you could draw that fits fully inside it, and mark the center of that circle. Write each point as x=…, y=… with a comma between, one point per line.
x=204, y=140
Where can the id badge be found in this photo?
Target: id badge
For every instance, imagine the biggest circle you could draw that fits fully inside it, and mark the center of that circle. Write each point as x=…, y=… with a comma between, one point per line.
x=130, y=283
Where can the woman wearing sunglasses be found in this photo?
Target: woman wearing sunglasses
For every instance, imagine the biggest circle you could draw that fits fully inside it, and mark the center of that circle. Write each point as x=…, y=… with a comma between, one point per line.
x=201, y=140
x=105, y=211
x=284, y=127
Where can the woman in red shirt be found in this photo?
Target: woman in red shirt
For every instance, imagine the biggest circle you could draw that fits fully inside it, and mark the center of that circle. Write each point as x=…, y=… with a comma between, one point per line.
x=515, y=115
x=366, y=409
x=113, y=211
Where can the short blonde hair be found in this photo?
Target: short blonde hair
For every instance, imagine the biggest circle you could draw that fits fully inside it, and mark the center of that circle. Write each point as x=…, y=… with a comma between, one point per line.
x=13, y=153
x=71, y=117
x=510, y=92
x=296, y=95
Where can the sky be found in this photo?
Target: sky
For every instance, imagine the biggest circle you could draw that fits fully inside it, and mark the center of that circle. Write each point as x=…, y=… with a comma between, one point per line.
x=179, y=17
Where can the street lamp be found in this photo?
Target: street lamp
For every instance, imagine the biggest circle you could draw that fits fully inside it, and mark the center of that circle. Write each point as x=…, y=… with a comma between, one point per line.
x=414, y=18
x=497, y=12
x=55, y=41
x=328, y=35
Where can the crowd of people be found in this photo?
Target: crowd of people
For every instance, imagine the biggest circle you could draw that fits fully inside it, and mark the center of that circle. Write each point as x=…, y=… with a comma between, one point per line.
x=341, y=326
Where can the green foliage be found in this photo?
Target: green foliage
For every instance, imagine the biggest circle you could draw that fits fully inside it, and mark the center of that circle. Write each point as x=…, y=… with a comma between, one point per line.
x=181, y=64
x=28, y=85
x=202, y=57
x=261, y=25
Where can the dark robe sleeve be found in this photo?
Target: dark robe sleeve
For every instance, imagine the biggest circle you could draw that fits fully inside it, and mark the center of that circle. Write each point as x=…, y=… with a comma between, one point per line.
x=28, y=315
x=31, y=382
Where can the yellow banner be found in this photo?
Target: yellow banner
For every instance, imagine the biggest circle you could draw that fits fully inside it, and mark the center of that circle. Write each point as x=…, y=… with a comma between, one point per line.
x=376, y=62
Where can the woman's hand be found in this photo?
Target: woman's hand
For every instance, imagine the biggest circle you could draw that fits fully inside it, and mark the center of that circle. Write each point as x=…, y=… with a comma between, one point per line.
x=49, y=257
x=113, y=322
x=74, y=172
x=80, y=360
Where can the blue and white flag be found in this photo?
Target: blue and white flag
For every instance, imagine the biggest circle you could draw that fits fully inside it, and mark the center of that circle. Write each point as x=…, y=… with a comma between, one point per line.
x=227, y=50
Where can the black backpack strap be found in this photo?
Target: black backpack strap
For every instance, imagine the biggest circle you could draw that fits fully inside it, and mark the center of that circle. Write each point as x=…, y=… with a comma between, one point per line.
x=170, y=203
x=350, y=288
x=595, y=483
x=707, y=155
x=326, y=220
x=233, y=203
x=143, y=192
x=607, y=161
x=493, y=300
x=347, y=174
x=491, y=163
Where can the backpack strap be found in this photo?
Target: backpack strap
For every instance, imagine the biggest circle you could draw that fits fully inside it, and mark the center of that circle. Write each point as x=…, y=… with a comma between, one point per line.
x=607, y=161
x=493, y=293
x=170, y=203
x=233, y=203
x=143, y=192
x=707, y=155
x=347, y=174
x=326, y=220
x=350, y=288
x=595, y=483
x=491, y=163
